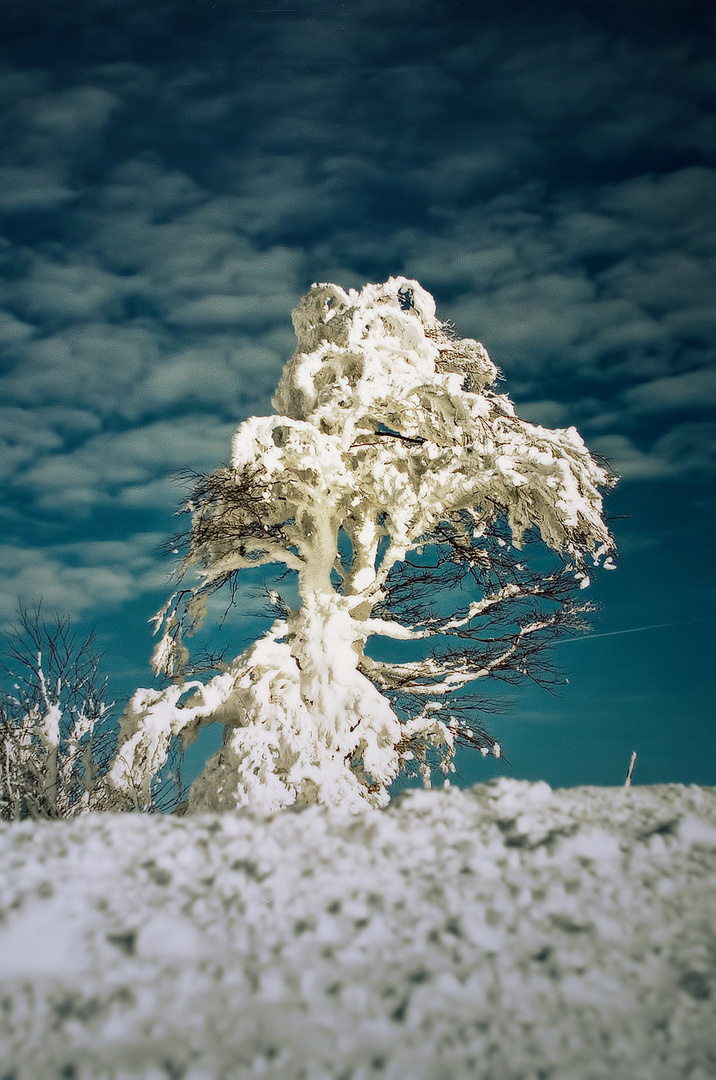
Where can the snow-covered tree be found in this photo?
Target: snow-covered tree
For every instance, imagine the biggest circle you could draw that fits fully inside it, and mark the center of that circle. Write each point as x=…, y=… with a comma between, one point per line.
x=392, y=474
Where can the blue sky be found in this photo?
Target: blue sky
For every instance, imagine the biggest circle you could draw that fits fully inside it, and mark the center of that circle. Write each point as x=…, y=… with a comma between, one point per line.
x=173, y=177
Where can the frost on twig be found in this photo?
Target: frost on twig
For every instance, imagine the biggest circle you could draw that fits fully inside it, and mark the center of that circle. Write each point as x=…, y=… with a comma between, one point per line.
x=56, y=739
x=404, y=496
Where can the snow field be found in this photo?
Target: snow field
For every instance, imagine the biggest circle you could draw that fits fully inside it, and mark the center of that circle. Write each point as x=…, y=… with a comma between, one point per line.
x=509, y=931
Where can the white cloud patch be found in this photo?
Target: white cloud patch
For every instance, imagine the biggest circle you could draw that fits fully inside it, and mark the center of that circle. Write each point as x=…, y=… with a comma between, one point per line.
x=70, y=292
x=26, y=435
x=12, y=330
x=31, y=189
x=220, y=374
x=687, y=450
x=221, y=311
x=695, y=390
x=607, y=289
x=93, y=365
x=690, y=448
x=131, y=468
x=44, y=129
x=629, y=462
x=79, y=578
x=65, y=118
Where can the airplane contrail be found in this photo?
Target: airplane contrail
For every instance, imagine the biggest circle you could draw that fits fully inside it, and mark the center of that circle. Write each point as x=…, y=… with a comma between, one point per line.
x=633, y=630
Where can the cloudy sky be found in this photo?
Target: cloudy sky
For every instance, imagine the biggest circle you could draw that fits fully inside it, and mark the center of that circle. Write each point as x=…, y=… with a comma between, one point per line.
x=176, y=173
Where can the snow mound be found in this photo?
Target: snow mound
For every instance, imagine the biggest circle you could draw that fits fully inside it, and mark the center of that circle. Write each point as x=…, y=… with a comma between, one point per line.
x=509, y=931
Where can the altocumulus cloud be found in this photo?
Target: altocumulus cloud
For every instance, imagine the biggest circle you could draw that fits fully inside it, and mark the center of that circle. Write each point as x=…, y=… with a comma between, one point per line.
x=172, y=180
x=72, y=578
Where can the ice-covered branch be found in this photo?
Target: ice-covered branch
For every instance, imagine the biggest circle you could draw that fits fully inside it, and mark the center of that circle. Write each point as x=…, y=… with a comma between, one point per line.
x=477, y=609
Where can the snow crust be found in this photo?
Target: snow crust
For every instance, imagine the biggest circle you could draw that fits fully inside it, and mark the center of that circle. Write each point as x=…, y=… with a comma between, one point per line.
x=509, y=931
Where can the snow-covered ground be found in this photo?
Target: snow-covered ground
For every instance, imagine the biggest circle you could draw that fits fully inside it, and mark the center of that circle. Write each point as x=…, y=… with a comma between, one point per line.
x=509, y=931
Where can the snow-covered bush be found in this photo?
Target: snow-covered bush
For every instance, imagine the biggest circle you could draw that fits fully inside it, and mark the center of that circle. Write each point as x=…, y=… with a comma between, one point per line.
x=397, y=486
x=56, y=739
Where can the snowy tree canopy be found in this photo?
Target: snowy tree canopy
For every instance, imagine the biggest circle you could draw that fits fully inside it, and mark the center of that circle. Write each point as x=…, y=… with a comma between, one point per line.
x=392, y=469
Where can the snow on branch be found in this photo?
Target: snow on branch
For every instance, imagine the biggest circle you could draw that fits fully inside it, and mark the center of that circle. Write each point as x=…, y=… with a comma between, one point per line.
x=56, y=737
